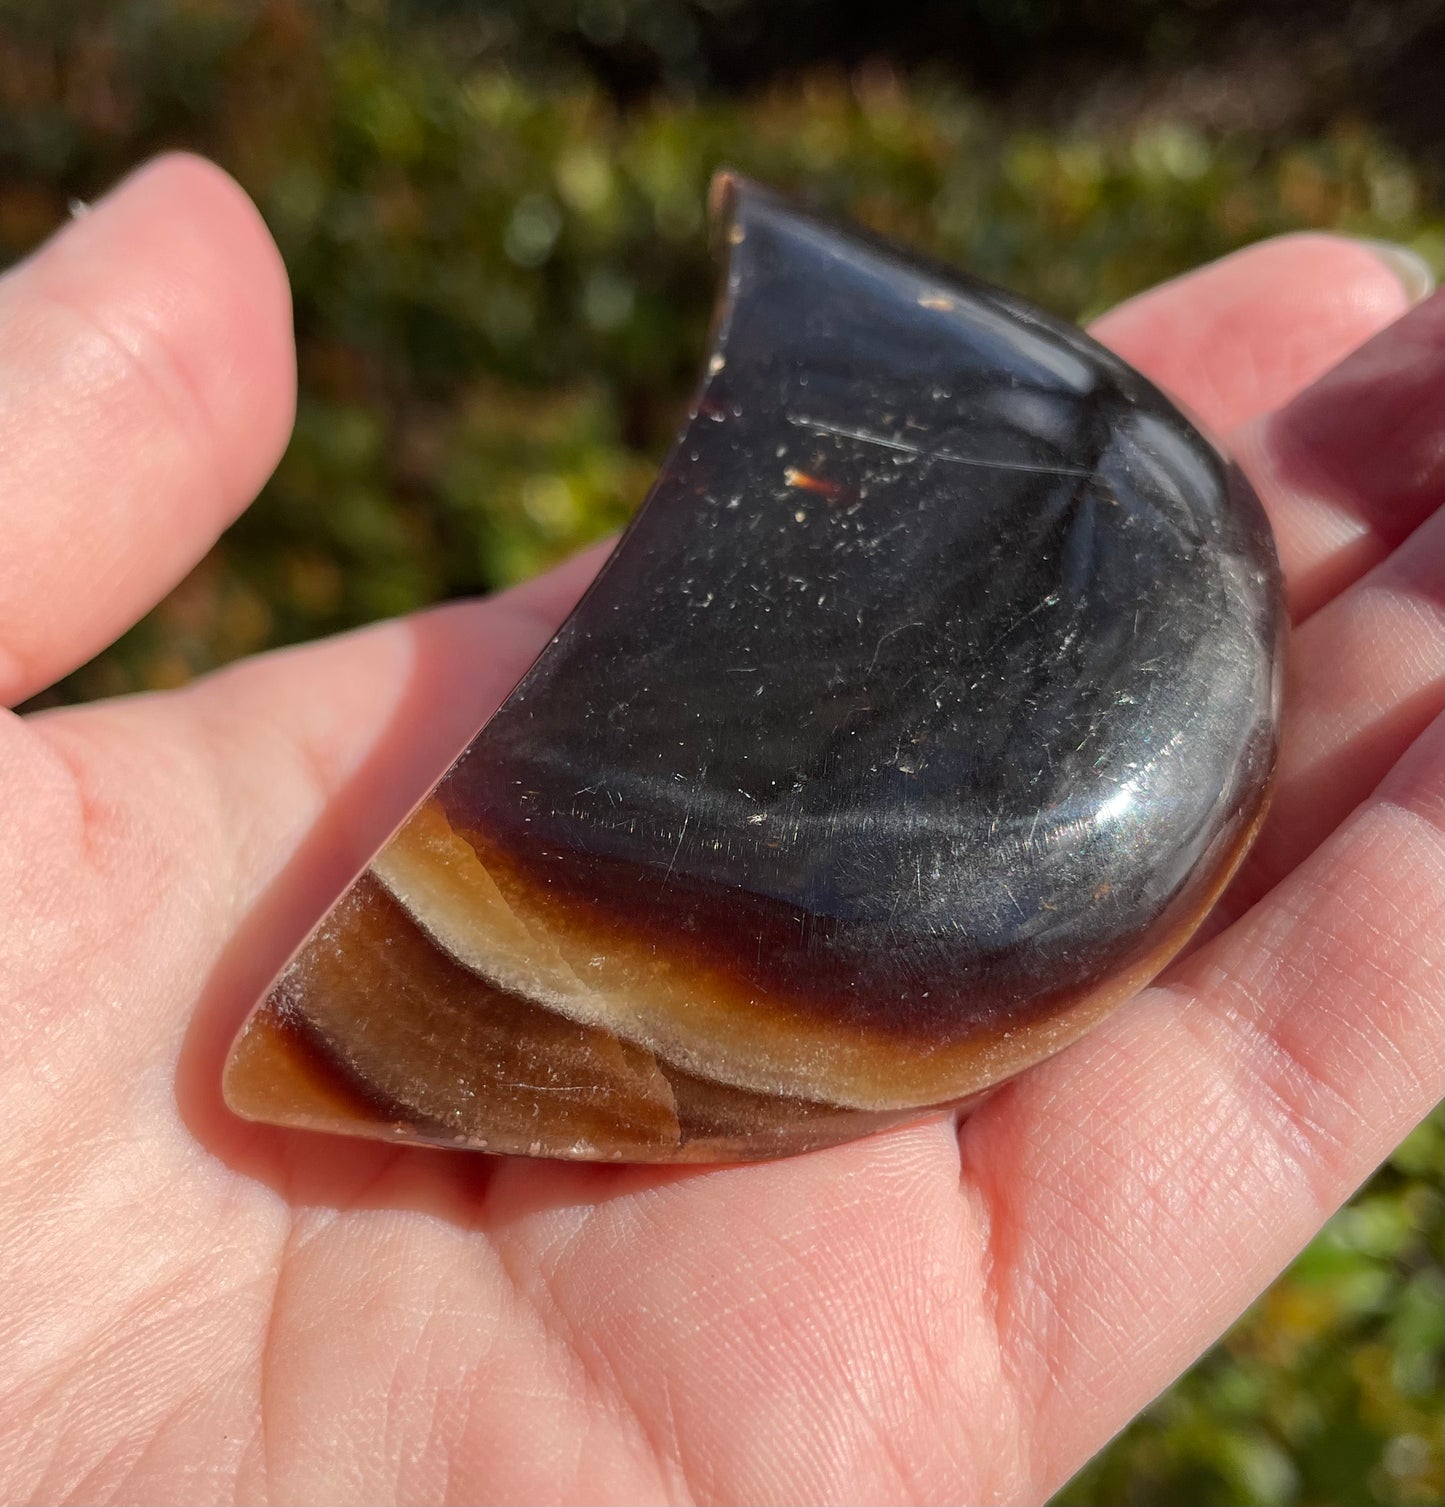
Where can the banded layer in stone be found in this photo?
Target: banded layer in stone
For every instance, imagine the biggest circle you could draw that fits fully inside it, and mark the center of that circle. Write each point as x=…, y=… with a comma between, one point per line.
x=917, y=720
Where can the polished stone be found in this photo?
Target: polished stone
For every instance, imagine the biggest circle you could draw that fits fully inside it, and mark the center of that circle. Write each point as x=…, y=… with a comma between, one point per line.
x=918, y=719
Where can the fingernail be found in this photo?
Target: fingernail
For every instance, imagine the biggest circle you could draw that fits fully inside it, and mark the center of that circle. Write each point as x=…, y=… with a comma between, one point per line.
x=1416, y=275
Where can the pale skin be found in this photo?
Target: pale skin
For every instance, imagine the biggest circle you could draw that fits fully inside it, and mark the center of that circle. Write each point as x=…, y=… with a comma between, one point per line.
x=197, y=1309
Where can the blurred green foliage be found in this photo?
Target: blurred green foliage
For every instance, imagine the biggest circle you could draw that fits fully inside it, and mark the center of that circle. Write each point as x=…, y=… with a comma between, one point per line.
x=502, y=285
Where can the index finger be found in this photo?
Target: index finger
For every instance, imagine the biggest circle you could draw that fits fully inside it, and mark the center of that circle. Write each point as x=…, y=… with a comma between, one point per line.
x=1242, y=336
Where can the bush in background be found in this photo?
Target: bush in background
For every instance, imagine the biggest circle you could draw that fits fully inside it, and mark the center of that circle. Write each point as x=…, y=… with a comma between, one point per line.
x=502, y=287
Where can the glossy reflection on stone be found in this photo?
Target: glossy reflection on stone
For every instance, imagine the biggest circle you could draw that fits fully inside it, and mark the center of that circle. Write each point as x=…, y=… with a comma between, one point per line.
x=919, y=717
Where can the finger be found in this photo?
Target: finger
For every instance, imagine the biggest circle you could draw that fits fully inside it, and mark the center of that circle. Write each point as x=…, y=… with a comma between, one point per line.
x=1242, y=336
x=1356, y=461
x=1145, y=1185
x=1365, y=679
x=146, y=391
x=1364, y=671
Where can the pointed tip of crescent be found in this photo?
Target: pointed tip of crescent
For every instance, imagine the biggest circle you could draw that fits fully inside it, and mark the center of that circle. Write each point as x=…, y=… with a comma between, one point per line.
x=723, y=210
x=722, y=194
x=730, y=198
x=272, y=1078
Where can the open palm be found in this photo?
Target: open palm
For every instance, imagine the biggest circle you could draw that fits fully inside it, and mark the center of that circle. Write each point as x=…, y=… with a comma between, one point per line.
x=196, y=1309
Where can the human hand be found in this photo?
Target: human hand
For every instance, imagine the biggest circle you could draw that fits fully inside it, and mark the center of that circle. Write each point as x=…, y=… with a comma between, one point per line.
x=198, y=1309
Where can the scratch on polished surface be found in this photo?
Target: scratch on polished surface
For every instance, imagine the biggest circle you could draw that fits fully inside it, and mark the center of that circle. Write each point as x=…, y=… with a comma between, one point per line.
x=931, y=453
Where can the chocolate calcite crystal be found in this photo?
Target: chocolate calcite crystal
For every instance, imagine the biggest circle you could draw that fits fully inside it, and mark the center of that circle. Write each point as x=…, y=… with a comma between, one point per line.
x=917, y=720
